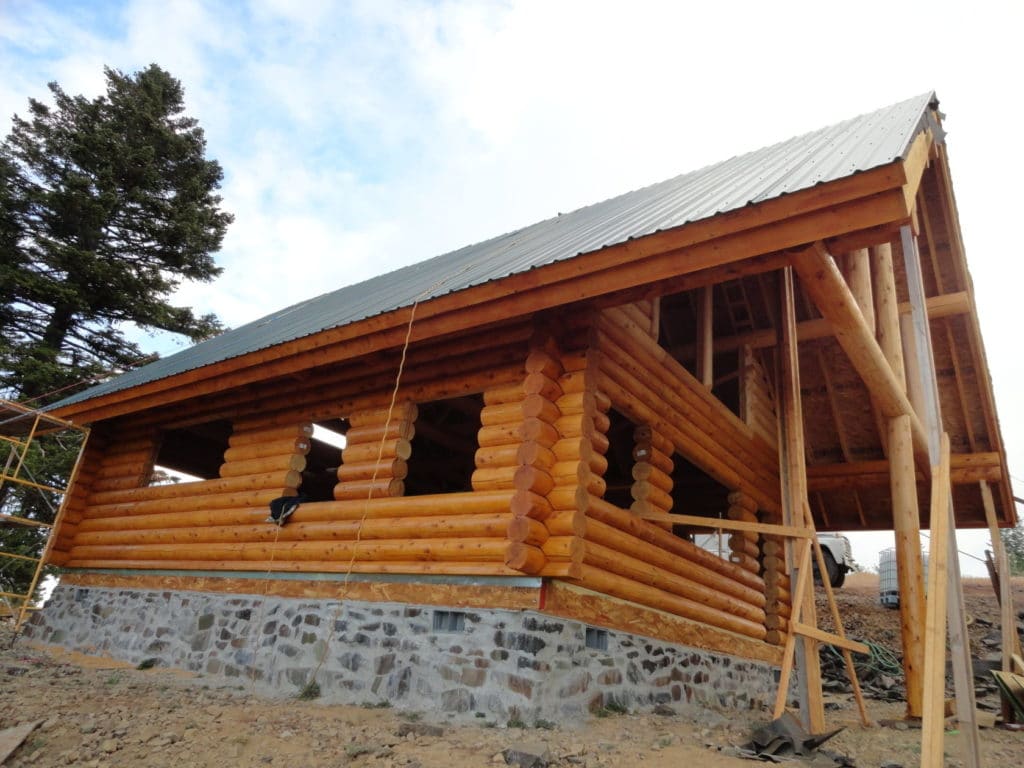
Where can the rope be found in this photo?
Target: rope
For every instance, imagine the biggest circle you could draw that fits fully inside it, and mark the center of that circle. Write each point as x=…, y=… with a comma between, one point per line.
x=312, y=688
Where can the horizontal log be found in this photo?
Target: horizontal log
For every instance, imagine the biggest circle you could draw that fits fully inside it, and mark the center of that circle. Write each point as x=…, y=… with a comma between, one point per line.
x=600, y=580
x=965, y=469
x=533, y=480
x=743, y=501
x=574, y=381
x=644, y=470
x=429, y=527
x=617, y=562
x=282, y=463
x=398, y=429
x=663, y=462
x=255, y=498
x=569, y=497
x=577, y=402
x=447, y=504
x=526, y=530
x=241, y=438
x=493, y=478
x=506, y=393
x=400, y=412
x=568, y=522
x=540, y=384
x=299, y=445
x=529, y=429
x=385, y=449
x=646, y=435
x=523, y=557
x=459, y=550
x=688, y=398
x=397, y=469
x=369, y=489
x=135, y=481
x=534, y=454
x=694, y=521
x=532, y=505
x=530, y=407
x=642, y=490
x=564, y=548
x=599, y=509
x=497, y=456
x=737, y=543
x=614, y=539
x=541, y=361
x=745, y=561
x=443, y=568
x=264, y=481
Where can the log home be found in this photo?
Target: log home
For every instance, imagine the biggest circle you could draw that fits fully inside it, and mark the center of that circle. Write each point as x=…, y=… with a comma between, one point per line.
x=534, y=427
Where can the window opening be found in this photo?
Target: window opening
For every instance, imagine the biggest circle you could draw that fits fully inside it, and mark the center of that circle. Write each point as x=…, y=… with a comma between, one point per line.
x=449, y=621
x=444, y=445
x=597, y=639
x=619, y=475
x=700, y=494
x=191, y=453
x=322, y=462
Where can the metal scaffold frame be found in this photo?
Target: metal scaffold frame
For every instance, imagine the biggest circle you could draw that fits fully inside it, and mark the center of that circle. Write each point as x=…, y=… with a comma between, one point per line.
x=20, y=427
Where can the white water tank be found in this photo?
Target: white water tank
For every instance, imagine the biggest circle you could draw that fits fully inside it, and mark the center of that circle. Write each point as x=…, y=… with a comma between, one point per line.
x=888, y=583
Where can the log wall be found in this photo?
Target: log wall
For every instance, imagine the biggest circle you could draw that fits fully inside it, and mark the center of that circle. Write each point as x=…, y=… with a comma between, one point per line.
x=536, y=505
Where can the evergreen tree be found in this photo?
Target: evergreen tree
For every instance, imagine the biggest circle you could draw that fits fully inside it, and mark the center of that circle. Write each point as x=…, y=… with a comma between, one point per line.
x=106, y=205
x=1013, y=541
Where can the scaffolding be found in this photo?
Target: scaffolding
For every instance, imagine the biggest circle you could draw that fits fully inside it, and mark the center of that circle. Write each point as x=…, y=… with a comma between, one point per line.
x=23, y=431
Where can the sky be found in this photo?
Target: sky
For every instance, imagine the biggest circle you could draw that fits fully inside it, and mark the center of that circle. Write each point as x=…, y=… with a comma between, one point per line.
x=357, y=137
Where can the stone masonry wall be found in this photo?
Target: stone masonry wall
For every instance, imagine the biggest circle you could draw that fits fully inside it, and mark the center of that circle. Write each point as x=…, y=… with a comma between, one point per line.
x=495, y=664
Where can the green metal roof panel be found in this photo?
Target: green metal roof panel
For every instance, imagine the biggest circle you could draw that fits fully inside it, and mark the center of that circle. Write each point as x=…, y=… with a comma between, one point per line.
x=829, y=154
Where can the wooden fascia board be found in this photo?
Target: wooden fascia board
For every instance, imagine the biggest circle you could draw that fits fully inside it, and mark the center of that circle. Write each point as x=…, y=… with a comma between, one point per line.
x=857, y=202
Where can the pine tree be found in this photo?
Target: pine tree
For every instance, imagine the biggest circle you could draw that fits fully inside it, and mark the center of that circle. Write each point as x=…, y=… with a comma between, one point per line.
x=106, y=205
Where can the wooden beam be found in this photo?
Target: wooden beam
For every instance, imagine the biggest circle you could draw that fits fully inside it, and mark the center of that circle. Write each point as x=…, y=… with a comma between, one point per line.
x=948, y=305
x=967, y=469
x=694, y=521
x=887, y=309
x=1008, y=621
x=909, y=569
x=827, y=637
x=793, y=476
x=825, y=284
x=934, y=694
x=938, y=446
x=705, y=337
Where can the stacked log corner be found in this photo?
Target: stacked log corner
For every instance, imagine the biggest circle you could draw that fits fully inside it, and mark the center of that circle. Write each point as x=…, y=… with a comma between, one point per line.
x=378, y=445
x=625, y=556
x=652, y=473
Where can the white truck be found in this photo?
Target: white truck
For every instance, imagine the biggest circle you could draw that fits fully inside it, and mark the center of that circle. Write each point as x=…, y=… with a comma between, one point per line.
x=835, y=550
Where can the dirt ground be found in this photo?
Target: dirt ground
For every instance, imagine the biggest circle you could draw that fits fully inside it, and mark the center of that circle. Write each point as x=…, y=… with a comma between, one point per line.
x=96, y=712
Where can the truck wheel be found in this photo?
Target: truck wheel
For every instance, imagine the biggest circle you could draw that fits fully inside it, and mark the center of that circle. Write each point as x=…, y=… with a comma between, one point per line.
x=836, y=574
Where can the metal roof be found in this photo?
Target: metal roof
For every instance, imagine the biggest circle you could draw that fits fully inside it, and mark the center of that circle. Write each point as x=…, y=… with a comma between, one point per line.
x=829, y=154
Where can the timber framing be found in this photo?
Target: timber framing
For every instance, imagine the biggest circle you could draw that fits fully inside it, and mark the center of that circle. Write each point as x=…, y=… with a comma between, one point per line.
x=577, y=423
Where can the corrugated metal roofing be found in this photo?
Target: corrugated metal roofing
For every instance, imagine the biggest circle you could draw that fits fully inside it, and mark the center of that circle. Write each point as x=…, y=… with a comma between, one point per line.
x=829, y=154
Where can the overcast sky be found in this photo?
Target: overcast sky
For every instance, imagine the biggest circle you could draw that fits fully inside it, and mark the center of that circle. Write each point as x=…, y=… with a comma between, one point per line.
x=359, y=137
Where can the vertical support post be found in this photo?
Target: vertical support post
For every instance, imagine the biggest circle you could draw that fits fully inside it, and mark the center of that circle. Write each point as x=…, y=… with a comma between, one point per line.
x=932, y=418
x=794, y=495
x=1007, y=621
x=705, y=337
x=909, y=570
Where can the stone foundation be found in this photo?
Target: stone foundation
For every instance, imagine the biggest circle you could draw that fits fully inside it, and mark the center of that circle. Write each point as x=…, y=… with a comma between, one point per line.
x=493, y=664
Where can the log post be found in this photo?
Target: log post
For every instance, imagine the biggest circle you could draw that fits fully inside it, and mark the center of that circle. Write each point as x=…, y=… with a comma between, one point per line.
x=793, y=475
x=909, y=570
